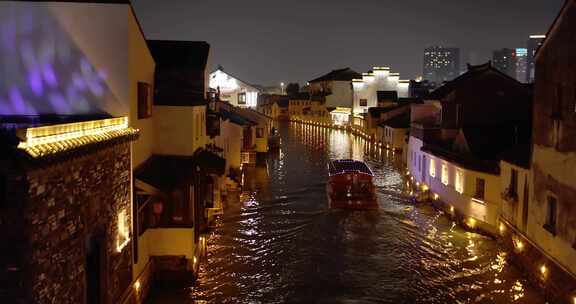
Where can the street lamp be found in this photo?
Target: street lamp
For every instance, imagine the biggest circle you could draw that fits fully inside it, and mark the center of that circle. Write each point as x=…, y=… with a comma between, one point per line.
x=282, y=87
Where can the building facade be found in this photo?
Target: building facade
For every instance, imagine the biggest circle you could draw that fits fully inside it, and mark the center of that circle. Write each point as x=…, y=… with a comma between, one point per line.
x=441, y=64
x=505, y=61
x=453, y=149
x=367, y=89
x=552, y=213
x=532, y=45
x=233, y=90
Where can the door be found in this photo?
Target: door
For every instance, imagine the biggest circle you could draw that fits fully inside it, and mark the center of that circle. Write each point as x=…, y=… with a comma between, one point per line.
x=95, y=261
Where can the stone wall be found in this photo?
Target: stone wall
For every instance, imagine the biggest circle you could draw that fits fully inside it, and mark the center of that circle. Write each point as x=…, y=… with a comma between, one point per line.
x=67, y=204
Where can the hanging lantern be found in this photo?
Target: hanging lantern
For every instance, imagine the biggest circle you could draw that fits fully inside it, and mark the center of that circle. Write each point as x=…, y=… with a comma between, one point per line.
x=157, y=207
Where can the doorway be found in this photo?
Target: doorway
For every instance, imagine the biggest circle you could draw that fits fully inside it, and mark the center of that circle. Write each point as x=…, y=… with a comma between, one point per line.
x=95, y=261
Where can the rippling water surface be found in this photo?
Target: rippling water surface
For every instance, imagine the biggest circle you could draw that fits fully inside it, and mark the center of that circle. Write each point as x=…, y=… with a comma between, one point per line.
x=281, y=243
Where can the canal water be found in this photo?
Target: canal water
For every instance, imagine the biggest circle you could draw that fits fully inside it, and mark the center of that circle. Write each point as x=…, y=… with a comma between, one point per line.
x=282, y=244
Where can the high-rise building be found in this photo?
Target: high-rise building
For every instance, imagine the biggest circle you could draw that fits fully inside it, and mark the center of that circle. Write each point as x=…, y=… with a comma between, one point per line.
x=533, y=43
x=441, y=63
x=505, y=61
x=521, y=64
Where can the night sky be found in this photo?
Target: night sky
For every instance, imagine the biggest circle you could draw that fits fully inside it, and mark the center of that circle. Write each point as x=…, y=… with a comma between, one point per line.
x=267, y=41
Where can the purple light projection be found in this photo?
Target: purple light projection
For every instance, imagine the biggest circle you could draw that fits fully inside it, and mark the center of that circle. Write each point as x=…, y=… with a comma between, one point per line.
x=42, y=71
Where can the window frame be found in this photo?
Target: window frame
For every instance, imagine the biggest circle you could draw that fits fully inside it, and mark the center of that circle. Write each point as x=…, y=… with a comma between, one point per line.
x=551, y=217
x=144, y=100
x=480, y=195
x=242, y=98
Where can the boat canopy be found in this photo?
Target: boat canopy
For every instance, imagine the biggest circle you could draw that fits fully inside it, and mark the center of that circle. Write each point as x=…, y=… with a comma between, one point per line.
x=342, y=166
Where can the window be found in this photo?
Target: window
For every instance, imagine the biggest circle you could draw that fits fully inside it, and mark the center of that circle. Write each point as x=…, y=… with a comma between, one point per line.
x=259, y=132
x=241, y=98
x=459, y=181
x=123, y=227
x=419, y=163
x=144, y=100
x=432, y=169
x=363, y=102
x=513, y=188
x=551, y=214
x=480, y=185
x=445, y=174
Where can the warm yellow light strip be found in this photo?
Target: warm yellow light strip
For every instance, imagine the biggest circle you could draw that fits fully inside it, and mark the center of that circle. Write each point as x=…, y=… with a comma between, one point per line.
x=395, y=74
x=56, y=133
x=381, y=68
x=42, y=141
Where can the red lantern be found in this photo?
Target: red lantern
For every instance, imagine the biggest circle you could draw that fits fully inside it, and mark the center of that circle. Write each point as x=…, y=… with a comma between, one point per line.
x=157, y=207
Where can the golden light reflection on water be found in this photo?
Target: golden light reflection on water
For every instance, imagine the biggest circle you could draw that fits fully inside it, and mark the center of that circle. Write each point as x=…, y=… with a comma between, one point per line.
x=281, y=243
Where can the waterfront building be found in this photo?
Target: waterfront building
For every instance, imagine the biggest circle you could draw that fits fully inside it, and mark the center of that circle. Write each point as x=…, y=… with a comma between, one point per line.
x=393, y=132
x=378, y=115
x=441, y=64
x=234, y=90
x=541, y=229
x=178, y=176
x=454, y=148
x=86, y=92
x=534, y=42
x=336, y=87
x=505, y=61
x=297, y=103
x=274, y=105
x=66, y=209
x=377, y=86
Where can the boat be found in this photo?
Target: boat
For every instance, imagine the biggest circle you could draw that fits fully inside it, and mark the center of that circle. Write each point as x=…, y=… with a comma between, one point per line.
x=274, y=140
x=350, y=185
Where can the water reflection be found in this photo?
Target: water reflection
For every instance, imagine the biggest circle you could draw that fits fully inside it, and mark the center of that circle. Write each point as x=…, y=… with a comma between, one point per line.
x=281, y=243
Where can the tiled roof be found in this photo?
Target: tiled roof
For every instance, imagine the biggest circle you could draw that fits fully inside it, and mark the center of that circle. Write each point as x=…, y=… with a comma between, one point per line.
x=38, y=139
x=345, y=74
x=474, y=72
x=401, y=121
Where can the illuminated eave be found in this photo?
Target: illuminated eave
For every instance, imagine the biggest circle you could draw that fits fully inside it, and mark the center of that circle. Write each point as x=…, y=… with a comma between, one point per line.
x=44, y=141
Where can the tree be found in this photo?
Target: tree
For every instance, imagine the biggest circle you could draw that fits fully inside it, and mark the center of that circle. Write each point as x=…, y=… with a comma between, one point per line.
x=292, y=89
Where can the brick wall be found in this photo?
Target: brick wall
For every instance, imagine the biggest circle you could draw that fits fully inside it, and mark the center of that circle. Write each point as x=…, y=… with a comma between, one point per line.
x=67, y=204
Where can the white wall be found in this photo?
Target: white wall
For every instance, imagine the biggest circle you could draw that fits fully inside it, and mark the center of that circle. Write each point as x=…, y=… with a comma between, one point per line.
x=141, y=68
x=231, y=87
x=341, y=94
x=512, y=212
x=171, y=241
x=379, y=80
x=179, y=130
x=486, y=210
x=559, y=167
x=64, y=58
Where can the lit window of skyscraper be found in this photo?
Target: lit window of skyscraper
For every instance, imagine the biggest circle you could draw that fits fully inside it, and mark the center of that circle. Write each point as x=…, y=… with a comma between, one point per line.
x=441, y=64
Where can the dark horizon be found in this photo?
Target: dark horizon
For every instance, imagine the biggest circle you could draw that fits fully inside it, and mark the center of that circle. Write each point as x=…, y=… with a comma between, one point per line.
x=251, y=41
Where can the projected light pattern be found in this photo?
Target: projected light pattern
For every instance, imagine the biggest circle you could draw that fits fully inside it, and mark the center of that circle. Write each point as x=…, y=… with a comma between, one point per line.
x=42, y=70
